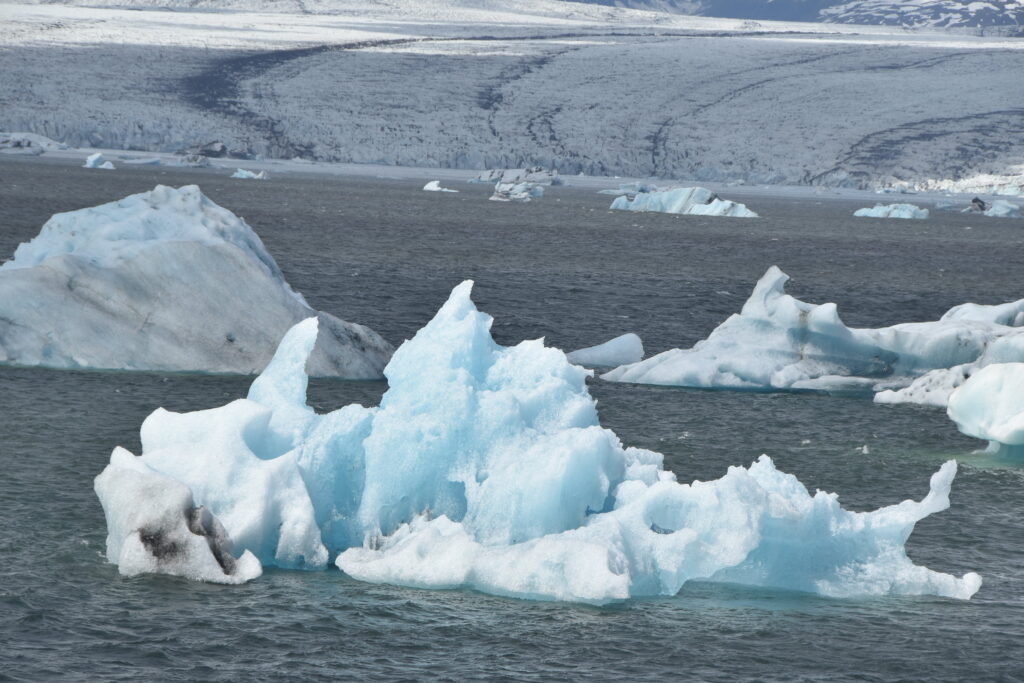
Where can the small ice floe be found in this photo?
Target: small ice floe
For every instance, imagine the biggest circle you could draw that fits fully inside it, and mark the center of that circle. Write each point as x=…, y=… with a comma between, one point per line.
x=28, y=144
x=631, y=189
x=533, y=174
x=516, y=192
x=97, y=161
x=990, y=406
x=692, y=201
x=435, y=186
x=145, y=161
x=194, y=161
x=1001, y=208
x=627, y=348
x=892, y=211
x=249, y=175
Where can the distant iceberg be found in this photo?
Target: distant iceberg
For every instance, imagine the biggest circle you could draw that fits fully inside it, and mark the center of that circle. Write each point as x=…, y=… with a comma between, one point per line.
x=1001, y=208
x=517, y=192
x=484, y=467
x=162, y=280
x=28, y=144
x=892, y=211
x=536, y=175
x=778, y=342
x=435, y=186
x=990, y=406
x=249, y=175
x=98, y=161
x=631, y=189
x=692, y=201
x=627, y=348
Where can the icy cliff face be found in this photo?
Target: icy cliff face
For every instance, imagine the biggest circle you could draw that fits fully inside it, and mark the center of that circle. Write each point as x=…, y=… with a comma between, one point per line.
x=162, y=280
x=693, y=201
x=486, y=467
x=892, y=211
x=990, y=405
x=778, y=342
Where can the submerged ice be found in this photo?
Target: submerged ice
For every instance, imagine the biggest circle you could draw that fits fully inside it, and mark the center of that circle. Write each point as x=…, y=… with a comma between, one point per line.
x=778, y=342
x=486, y=467
x=162, y=280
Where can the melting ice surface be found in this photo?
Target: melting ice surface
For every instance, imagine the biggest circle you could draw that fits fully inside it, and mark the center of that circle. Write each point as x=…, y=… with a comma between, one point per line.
x=892, y=211
x=990, y=405
x=484, y=467
x=778, y=342
x=694, y=201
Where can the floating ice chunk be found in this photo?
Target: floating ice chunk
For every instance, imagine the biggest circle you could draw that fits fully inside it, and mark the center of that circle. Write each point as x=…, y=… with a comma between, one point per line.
x=627, y=348
x=28, y=144
x=162, y=280
x=1001, y=208
x=154, y=527
x=97, y=161
x=631, y=189
x=516, y=192
x=778, y=342
x=435, y=186
x=990, y=406
x=486, y=467
x=693, y=201
x=512, y=176
x=892, y=211
x=144, y=161
x=249, y=175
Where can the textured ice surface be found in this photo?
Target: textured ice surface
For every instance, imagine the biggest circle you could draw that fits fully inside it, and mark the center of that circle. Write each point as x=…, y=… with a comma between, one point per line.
x=627, y=348
x=249, y=175
x=892, y=211
x=97, y=160
x=162, y=280
x=694, y=201
x=990, y=405
x=27, y=143
x=1001, y=208
x=435, y=186
x=516, y=191
x=485, y=467
x=779, y=342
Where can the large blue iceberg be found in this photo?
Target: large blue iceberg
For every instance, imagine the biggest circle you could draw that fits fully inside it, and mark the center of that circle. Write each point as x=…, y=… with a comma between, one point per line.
x=484, y=467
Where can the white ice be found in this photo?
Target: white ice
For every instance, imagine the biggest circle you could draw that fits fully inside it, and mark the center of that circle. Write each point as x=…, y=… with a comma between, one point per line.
x=485, y=467
x=435, y=186
x=693, y=201
x=28, y=144
x=97, y=160
x=990, y=405
x=778, y=342
x=516, y=192
x=249, y=175
x=627, y=348
x=1001, y=208
x=162, y=280
x=892, y=211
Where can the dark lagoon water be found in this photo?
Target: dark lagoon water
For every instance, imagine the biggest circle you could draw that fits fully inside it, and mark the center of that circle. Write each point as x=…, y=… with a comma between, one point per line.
x=382, y=252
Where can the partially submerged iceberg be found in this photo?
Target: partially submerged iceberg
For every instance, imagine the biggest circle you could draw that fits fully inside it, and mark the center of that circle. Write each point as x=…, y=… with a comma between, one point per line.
x=28, y=144
x=892, y=211
x=536, y=175
x=778, y=342
x=516, y=192
x=485, y=467
x=245, y=174
x=990, y=406
x=631, y=189
x=98, y=161
x=1001, y=208
x=692, y=201
x=626, y=348
x=435, y=186
x=162, y=280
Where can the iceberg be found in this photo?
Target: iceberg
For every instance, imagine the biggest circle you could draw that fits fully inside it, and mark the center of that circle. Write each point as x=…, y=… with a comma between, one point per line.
x=536, y=175
x=435, y=186
x=1001, y=208
x=98, y=161
x=691, y=201
x=627, y=348
x=28, y=144
x=249, y=175
x=486, y=467
x=516, y=192
x=631, y=189
x=990, y=406
x=778, y=342
x=162, y=280
x=892, y=211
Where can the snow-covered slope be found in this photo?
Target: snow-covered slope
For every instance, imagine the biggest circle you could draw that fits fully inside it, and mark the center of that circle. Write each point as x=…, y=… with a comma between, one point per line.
x=486, y=467
x=490, y=84
x=162, y=280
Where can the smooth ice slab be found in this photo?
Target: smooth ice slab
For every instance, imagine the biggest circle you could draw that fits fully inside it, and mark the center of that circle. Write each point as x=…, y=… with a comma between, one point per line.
x=245, y=174
x=778, y=342
x=435, y=186
x=162, y=280
x=626, y=348
x=990, y=405
x=892, y=211
x=485, y=467
x=692, y=201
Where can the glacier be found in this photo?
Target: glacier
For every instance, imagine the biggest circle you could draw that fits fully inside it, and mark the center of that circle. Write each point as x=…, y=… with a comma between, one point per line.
x=892, y=211
x=626, y=348
x=485, y=467
x=990, y=405
x=778, y=342
x=692, y=201
x=162, y=280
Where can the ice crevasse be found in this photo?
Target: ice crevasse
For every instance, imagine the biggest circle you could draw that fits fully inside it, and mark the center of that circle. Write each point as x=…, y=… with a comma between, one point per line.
x=483, y=467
